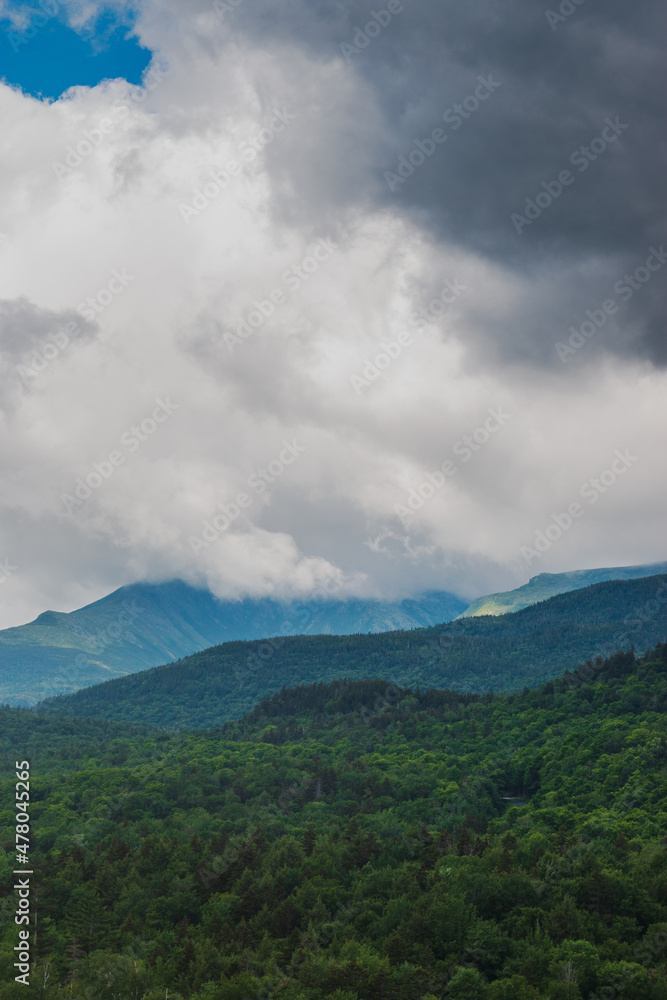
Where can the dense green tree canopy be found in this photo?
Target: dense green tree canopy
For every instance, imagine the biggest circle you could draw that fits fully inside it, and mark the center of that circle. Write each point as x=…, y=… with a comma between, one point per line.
x=356, y=841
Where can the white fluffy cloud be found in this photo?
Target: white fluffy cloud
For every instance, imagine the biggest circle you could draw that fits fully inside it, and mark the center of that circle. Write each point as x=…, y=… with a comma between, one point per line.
x=167, y=342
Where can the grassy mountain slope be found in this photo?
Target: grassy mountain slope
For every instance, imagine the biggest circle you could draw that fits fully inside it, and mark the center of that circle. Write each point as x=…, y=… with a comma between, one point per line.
x=143, y=625
x=472, y=654
x=546, y=585
x=359, y=842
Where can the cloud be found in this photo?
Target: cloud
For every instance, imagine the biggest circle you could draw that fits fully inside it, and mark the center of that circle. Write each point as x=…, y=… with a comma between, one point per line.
x=227, y=242
x=31, y=340
x=552, y=96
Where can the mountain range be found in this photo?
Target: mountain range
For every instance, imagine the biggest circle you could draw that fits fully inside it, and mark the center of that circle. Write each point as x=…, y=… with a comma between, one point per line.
x=144, y=625
x=478, y=654
x=546, y=585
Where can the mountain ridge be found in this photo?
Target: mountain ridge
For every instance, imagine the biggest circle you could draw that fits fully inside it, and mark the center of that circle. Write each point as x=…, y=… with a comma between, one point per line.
x=546, y=585
x=470, y=655
x=145, y=625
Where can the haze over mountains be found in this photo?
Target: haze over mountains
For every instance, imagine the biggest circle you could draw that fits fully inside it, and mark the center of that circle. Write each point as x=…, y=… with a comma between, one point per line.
x=145, y=625
x=503, y=653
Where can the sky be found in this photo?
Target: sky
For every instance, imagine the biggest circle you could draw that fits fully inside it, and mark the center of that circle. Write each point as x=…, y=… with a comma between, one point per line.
x=45, y=55
x=300, y=295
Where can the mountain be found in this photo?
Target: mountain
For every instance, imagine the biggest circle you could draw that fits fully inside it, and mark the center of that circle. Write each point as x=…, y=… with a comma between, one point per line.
x=468, y=655
x=546, y=585
x=143, y=625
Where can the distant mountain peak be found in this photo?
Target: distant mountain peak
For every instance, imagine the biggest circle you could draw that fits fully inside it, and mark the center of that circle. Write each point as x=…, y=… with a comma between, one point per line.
x=476, y=654
x=546, y=585
x=50, y=618
x=147, y=624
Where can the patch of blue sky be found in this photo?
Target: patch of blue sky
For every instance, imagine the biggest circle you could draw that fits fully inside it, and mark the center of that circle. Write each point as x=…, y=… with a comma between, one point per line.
x=44, y=56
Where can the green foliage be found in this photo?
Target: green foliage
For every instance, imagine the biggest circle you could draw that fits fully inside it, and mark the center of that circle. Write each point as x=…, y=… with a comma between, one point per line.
x=355, y=841
x=516, y=988
x=81, y=742
x=468, y=655
x=466, y=984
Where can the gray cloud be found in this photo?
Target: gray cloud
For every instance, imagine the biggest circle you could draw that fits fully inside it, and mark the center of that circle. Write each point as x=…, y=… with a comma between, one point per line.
x=558, y=88
x=32, y=341
x=203, y=260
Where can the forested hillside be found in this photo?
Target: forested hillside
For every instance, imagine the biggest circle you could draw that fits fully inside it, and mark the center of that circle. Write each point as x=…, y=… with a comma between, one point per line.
x=358, y=841
x=58, y=740
x=143, y=625
x=471, y=654
x=546, y=585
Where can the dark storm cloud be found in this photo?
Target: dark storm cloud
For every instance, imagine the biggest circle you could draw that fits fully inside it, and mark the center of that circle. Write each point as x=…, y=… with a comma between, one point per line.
x=592, y=78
